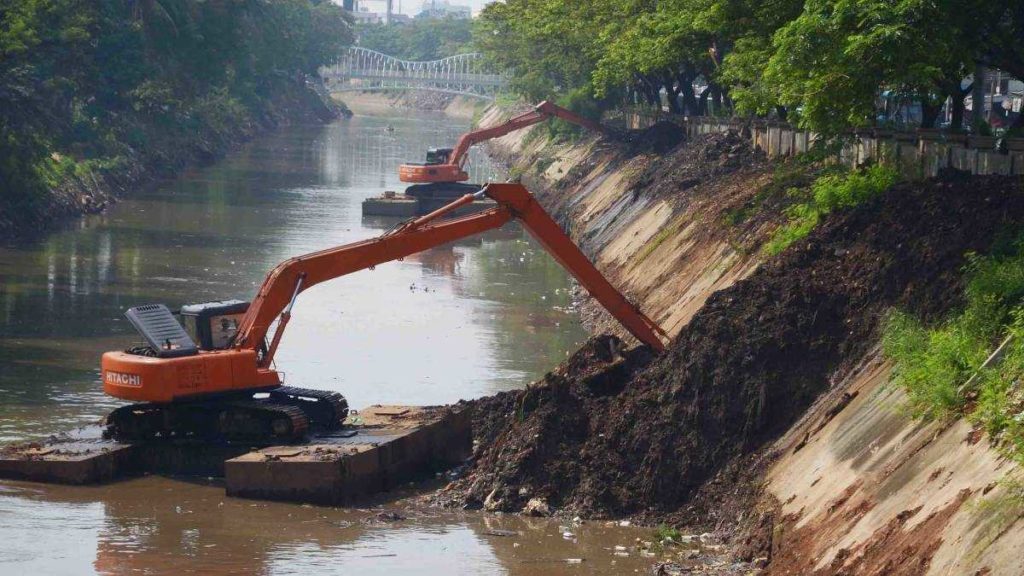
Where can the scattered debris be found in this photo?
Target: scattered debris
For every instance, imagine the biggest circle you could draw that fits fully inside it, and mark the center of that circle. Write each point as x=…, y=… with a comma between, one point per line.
x=387, y=516
x=502, y=533
x=537, y=507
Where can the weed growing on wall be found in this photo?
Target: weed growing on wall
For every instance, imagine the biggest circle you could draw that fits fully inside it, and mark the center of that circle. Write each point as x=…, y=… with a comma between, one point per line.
x=836, y=191
x=934, y=363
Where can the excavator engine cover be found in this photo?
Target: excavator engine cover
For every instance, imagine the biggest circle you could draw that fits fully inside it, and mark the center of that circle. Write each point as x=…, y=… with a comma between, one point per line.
x=161, y=330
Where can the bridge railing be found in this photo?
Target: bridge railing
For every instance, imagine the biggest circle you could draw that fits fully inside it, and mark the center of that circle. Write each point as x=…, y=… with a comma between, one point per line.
x=360, y=68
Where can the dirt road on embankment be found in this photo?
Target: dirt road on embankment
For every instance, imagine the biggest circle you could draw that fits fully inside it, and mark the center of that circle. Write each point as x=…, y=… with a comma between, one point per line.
x=769, y=420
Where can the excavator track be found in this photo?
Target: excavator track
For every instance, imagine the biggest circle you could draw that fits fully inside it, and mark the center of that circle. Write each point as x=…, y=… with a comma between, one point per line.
x=246, y=420
x=325, y=410
x=441, y=190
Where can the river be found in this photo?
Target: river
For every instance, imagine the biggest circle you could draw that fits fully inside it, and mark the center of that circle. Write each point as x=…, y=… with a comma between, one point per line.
x=462, y=321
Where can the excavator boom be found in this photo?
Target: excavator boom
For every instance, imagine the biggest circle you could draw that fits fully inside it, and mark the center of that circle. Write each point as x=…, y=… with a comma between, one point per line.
x=293, y=276
x=451, y=169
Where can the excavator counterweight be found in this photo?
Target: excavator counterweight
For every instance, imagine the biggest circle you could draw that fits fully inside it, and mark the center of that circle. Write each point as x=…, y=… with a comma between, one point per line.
x=209, y=389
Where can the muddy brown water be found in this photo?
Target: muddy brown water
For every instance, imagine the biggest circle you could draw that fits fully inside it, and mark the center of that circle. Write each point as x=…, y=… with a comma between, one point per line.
x=484, y=315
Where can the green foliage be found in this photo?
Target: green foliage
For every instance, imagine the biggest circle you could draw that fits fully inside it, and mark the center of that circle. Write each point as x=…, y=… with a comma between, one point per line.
x=829, y=193
x=822, y=63
x=420, y=39
x=664, y=531
x=85, y=83
x=552, y=46
x=933, y=363
x=580, y=101
x=794, y=173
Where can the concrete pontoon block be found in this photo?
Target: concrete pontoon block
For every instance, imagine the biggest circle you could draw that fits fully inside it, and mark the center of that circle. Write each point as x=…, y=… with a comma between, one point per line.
x=380, y=448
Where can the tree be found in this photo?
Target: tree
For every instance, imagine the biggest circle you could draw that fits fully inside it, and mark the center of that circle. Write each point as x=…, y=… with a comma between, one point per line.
x=84, y=81
x=419, y=40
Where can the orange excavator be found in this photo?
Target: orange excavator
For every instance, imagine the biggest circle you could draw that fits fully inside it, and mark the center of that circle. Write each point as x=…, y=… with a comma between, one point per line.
x=442, y=173
x=211, y=374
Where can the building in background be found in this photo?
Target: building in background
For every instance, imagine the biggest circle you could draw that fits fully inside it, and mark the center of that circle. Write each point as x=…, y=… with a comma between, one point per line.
x=390, y=11
x=444, y=9
x=375, y=11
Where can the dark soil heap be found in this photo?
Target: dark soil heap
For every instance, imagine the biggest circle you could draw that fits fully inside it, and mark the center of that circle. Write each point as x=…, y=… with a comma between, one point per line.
x=704, y=161
x=613, y=433
x=659, y=138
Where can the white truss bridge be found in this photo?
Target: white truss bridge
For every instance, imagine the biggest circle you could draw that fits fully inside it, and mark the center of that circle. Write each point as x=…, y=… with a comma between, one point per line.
x=362, y=69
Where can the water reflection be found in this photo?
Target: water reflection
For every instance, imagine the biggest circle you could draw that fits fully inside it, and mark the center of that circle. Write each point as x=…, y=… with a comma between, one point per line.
x=460, y=321
x=163, y=526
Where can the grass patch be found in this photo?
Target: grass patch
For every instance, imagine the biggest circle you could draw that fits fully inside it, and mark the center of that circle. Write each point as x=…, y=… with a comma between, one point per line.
x=543, y=164
x=665, y=531
x=830, y=192
x=932, y=363
x=793, y=174
x=658, y=239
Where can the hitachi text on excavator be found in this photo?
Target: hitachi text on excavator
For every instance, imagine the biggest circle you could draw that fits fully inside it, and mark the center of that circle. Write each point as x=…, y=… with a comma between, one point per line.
x=211, y=374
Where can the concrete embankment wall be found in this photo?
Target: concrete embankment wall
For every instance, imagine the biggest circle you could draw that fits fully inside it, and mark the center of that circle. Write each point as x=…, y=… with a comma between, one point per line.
x=395, y=103
x=857, y=482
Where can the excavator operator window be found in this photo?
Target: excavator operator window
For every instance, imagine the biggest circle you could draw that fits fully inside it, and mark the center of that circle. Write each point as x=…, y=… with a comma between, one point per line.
x=213, y=324
x=438, y=155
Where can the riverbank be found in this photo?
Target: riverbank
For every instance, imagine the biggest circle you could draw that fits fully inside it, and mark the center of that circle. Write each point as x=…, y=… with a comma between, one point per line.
x=389, y=104
x=90, y=187
x=771, y=421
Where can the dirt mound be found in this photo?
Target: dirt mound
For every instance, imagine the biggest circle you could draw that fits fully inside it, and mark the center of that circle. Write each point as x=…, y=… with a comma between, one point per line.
x=707, y=159
x=659, y=138
x=614, y=433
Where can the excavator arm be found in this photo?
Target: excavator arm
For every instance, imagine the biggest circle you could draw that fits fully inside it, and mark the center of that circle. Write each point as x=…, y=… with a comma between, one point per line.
x=451, y=170
x=290, y=278
x=540, y=113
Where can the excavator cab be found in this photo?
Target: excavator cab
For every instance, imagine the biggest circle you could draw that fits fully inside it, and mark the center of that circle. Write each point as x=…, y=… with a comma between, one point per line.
x=437, y=156
x=213, y=324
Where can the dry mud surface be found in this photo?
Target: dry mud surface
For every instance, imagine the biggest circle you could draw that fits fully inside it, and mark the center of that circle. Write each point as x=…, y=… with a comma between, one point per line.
x=619, y=432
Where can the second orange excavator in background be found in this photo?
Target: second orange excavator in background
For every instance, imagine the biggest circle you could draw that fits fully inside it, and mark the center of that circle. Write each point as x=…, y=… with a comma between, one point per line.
x=211, y=376
x=443, y=172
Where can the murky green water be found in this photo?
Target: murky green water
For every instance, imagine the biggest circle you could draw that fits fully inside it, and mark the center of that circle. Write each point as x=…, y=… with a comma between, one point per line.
x=462, y=321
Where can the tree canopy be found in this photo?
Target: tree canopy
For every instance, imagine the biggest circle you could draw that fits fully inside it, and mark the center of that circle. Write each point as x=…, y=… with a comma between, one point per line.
x=822, y=63
x=96, y=80
x=418, y=40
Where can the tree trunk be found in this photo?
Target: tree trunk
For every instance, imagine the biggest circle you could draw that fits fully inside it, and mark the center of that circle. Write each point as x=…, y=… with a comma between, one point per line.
x=929, y=112
x=978, y=97
x=685, y=81
x=959, y=107
x=648, y=92
x=716, y=93
x=702, y=102
x=670, y=92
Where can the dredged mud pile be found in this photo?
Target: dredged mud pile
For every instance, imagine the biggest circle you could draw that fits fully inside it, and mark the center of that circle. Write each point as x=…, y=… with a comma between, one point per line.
x=617, y=432
x=659, y=138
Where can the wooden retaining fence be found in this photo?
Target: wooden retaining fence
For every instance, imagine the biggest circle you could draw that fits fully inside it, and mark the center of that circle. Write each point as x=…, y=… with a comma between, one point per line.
x=917, y=154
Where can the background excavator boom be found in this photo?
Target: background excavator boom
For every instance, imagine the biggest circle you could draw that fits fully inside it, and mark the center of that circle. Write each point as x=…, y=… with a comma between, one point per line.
x=540, y=113
x=450, y=168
